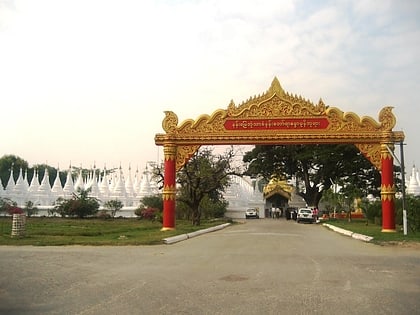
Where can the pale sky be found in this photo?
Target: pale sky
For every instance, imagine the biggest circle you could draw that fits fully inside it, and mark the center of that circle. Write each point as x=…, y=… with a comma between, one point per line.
x=87, y=81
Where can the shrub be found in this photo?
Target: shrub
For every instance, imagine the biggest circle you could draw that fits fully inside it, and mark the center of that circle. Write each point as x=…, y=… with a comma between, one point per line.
x=151, y=214
x=81, y=205
x=15, y=210
x=412, y=206
x=5, y=205
x=413, y=214
x=153, y=201
x=103, y=215
x=138, y=211
x=373, y=211
x=114, y=206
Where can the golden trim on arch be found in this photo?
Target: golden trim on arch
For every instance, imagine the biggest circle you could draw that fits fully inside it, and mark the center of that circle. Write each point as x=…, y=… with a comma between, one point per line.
x=385, y=154
x=372, y=152
x=279, y=117
x=170, y=122
x=277, y=186
x=275, y=103
x=184, y=153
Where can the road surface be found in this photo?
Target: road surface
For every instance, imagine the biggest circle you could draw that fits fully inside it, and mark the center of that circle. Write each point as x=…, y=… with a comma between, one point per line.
x=263, y=266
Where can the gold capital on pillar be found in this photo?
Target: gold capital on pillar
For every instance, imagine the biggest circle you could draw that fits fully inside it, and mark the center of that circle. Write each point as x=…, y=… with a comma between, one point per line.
x=169, y=192
x=169, y=151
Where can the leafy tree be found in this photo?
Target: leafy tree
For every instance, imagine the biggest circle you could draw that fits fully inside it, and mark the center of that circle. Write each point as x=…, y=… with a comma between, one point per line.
x=205, y=175
x=213, y=208
x=80, y=205
x=30, y=208
x=114, y=206
x=331, y=201
x=317, y=165
x=7, y=162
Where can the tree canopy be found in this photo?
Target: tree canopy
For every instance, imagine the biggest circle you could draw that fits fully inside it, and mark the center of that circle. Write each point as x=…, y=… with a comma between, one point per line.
x=204, y=177
x=318, y=166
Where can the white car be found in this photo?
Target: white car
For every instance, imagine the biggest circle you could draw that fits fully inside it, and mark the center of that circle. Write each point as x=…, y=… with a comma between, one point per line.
x=251, y=213
x=305, y=215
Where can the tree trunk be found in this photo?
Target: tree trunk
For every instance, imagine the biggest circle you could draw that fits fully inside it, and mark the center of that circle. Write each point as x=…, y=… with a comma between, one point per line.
x=312, y=196
x=196, y=217
x=196, y=214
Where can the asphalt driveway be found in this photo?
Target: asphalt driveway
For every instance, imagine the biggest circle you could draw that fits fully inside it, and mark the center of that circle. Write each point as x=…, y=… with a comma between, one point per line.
x=259, y=267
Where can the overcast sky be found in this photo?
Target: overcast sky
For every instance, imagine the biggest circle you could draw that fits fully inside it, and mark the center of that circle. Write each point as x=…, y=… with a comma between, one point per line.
x=86, y=82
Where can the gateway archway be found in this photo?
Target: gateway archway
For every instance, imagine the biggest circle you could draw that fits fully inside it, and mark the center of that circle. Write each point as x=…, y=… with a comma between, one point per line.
x=277, y=117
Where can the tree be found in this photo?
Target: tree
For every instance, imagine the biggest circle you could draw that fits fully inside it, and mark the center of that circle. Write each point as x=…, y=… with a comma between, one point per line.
x=80, y=205
x=114, y=206
x=30, y=209
x=205, y=175
x=213, y=208
x=316, y=165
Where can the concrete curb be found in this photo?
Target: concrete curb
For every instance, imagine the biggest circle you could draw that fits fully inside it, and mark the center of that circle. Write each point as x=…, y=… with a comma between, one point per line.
x=356, y=236
x=183, y=237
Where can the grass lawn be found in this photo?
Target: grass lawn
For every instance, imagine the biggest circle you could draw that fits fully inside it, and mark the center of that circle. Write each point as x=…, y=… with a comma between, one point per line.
x=360, y=226
x=47, y=231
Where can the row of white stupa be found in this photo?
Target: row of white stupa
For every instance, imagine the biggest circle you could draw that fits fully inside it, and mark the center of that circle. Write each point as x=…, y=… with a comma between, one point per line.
x=240, y=194
x=111, y=187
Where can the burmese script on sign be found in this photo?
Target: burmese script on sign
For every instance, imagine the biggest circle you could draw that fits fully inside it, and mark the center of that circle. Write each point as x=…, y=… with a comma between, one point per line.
x=276, y=124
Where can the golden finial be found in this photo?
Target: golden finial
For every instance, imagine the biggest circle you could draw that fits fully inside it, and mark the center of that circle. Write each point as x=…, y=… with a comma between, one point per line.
x=276, y=87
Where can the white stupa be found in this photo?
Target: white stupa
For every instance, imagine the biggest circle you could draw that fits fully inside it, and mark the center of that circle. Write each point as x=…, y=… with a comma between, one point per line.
x=68, y=188
x=413, y=187
x=57, y=189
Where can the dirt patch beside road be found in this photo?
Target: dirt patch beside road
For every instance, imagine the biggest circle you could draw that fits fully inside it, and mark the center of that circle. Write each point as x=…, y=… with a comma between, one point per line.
x=404, y=244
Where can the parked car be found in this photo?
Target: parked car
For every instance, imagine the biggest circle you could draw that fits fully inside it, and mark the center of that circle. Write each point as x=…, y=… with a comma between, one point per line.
x=305, y=215
x=251, y=213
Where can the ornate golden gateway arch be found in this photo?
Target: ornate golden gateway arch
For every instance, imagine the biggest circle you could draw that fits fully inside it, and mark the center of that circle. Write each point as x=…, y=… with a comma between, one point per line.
x=277, y=117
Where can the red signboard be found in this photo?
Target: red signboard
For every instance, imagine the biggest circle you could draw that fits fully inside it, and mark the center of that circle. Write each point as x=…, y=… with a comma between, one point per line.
x=277, y=124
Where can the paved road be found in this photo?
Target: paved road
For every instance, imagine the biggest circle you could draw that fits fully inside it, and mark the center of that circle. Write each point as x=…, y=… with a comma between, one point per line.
x=263, y=266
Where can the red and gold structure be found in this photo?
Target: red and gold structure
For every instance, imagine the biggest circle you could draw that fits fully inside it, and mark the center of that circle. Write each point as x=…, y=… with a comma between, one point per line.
x=277, y=117
x=387, y=188
x=169, y=190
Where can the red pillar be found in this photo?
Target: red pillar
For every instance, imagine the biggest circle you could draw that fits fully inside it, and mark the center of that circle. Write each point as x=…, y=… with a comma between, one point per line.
x=387, y=189
x=169, y=188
